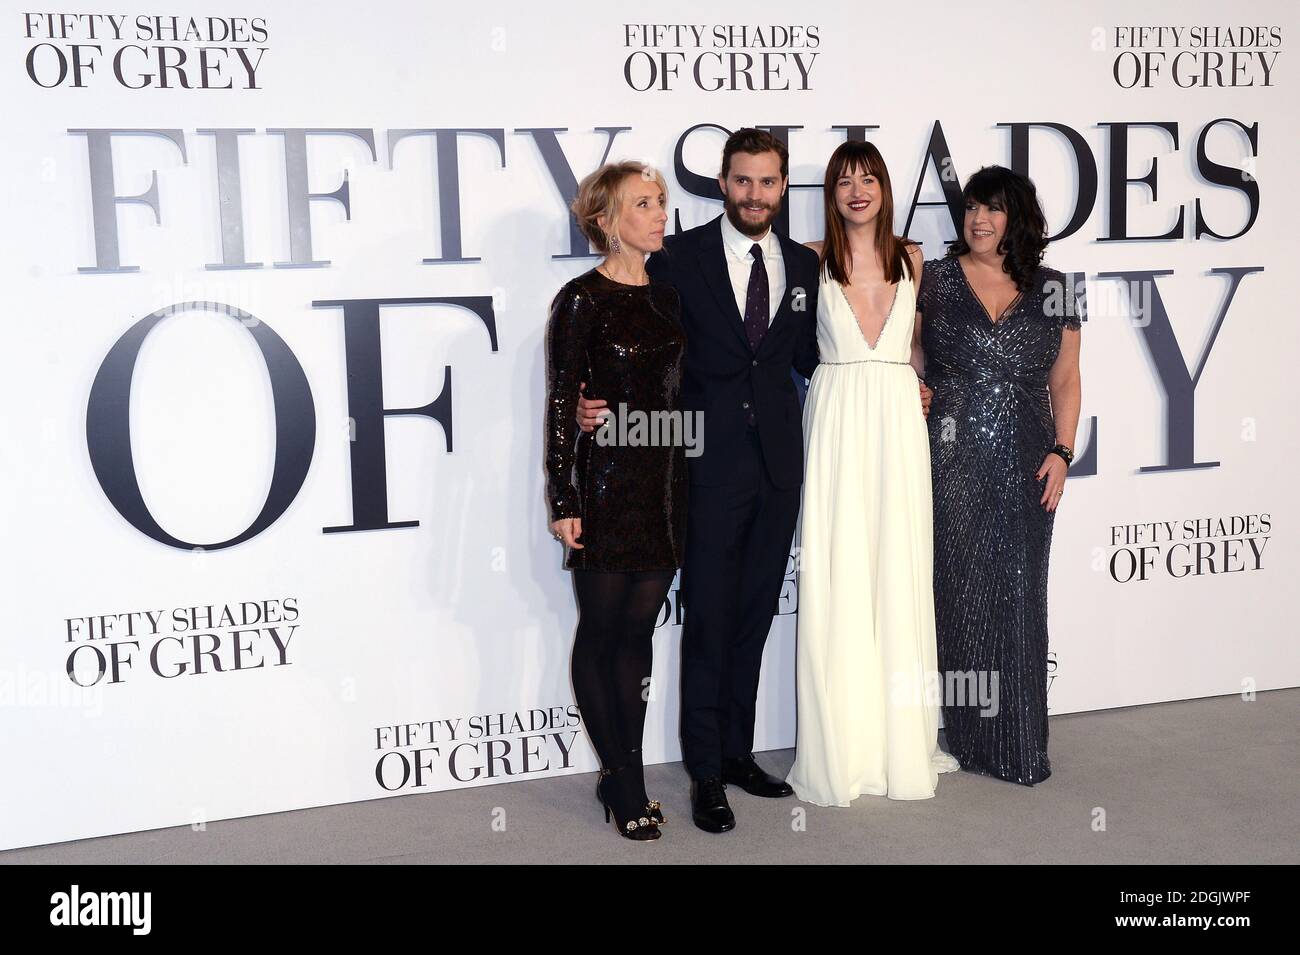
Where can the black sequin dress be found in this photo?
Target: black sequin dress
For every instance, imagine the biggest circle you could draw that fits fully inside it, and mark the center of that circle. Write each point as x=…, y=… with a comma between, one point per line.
x=626, y=342
x=991, y=425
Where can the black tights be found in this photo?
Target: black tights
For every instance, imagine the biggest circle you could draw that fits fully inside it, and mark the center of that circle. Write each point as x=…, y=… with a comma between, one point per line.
x=612, y=655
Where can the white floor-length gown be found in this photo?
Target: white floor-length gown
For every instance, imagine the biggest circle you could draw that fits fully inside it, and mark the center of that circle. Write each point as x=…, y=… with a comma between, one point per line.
x=867, y=666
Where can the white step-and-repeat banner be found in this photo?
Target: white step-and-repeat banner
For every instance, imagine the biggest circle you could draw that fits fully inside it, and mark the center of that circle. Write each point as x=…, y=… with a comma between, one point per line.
x=272, y=380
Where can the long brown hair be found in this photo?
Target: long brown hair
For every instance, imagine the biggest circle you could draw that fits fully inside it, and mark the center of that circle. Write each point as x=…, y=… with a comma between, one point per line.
x=850, y=156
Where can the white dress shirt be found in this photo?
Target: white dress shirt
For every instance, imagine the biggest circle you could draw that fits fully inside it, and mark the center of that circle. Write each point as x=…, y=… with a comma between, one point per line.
x=737, y=247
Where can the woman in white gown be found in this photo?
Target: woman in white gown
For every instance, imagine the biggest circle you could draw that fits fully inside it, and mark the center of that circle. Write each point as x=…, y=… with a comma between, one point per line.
x=868, y=687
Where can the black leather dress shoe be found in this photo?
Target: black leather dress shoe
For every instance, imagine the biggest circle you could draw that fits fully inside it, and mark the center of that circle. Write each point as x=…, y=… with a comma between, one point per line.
x=749, y=776
x=709, y=806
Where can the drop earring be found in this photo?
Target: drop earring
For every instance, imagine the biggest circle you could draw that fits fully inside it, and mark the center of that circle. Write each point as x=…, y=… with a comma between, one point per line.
x=615, y=246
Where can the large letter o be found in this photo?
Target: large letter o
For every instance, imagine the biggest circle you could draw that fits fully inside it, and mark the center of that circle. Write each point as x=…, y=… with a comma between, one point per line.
x=108, y=425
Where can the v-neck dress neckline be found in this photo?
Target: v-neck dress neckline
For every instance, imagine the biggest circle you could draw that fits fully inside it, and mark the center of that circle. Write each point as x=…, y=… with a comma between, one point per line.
x=883, y=325
x=1006, y=312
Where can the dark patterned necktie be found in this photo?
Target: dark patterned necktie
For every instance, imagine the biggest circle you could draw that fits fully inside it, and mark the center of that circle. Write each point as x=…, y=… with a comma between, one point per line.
x=756, y=300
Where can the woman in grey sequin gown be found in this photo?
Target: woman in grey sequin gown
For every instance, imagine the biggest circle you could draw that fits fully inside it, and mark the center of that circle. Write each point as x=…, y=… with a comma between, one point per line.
x=1001, y=338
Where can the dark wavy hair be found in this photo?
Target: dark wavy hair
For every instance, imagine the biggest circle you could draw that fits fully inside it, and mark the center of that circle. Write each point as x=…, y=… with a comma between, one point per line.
x=852, y=156
x=1025, y=238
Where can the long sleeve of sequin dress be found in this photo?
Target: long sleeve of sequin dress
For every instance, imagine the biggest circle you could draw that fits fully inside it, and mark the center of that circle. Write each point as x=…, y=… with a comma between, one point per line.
x=628, y=485
x=990, y=427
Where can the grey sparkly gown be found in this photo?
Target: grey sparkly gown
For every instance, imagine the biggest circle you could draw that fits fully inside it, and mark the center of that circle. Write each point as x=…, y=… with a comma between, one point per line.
x=990, y=427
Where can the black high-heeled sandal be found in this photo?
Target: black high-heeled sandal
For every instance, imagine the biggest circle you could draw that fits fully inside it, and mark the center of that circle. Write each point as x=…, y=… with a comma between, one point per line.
x=640, y=829
x=653, y=808
x=655, y=812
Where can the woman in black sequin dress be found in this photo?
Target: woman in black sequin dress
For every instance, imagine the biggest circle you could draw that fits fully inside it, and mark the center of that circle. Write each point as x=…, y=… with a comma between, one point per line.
x=1001, y=338
x=618, y=495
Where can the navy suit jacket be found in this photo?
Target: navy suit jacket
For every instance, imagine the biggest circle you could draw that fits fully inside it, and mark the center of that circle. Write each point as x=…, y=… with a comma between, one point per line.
x=723, y=377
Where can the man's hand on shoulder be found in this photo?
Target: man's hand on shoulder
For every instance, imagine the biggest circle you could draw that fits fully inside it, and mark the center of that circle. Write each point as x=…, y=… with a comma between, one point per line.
x=591, y=411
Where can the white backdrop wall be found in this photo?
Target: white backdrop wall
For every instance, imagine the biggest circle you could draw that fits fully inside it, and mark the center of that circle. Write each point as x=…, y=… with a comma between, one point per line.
x=433, y=653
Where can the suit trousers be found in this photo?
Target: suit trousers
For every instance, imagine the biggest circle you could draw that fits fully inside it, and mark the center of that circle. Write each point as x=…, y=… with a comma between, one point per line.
x=738, y=542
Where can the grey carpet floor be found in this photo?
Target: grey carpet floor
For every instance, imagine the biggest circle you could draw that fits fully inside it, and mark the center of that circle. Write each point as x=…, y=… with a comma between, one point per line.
x=1199, y=781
